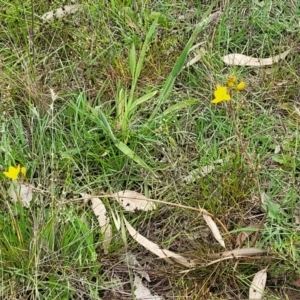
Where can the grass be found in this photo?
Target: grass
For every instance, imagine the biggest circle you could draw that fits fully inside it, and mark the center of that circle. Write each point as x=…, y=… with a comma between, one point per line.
x=128, y=115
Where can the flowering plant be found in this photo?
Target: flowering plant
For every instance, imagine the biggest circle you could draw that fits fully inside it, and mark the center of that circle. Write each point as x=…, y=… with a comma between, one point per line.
x=221, y=94
x=13, y=173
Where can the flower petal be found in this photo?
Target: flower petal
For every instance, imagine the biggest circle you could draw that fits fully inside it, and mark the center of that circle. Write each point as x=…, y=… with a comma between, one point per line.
x=226, y=97
x=231, y=79
x=215, y=101
x=221, y=94
x=12, y=172
x=241, y=86
x=23, y=171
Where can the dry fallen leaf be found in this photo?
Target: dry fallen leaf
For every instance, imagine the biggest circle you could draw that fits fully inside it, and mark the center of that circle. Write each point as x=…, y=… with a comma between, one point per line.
x=201, y=52
x=258, y=285
x=297, y=110
x=133, y=264
x=277, y=149
x=236, y=253
x=237, y=59
x=103, y=219
x=61, y=12
x=244, y=235
x=20, y=193
x=214, y=229
x=201, y=172
x=243, y=252
x=154, y=248
x=141, y=292
x=132, y=201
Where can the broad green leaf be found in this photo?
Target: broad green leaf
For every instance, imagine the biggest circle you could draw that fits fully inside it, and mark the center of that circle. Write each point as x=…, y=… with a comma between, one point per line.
x=178, y=106
x=105, y=126
x=142, y=100
x=131, y=154
x=273, y=209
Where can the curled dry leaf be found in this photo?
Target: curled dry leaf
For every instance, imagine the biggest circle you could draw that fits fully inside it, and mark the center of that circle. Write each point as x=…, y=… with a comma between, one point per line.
x=240, y=253
x=241, y=238
x=20, y=193
x=133, y=263
x=53, y=95
x=132, y=201
x=201, y=172
x=277, y=149
x=236, y=59
x=237, y=253
x=244, y=235
x=61, y=12
x=258, y=285
x=154, y=248
x=141, y=292
x=199, y=54
x=214, y=229
x=103, y=219
x=297, y=110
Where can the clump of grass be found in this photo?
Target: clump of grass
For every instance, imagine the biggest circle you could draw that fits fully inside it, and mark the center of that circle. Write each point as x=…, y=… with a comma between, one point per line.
x=128, y=116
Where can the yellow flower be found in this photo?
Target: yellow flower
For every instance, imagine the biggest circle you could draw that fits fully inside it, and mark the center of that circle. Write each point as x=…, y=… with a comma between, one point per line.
x=221, y=94
x=23, y=171
x=231, y=80
x=230, y=84
x=241, y=86
x=13, y=172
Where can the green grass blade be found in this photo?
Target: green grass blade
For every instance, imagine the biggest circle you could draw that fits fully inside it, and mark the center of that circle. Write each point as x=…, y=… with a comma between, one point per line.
x=105, y=126
x=131, y=154
x=167, y=88
x=120, y=145
x=144, y=50
x=132, y=60
x=178, y=106
x=142, y=100
x=141, y=59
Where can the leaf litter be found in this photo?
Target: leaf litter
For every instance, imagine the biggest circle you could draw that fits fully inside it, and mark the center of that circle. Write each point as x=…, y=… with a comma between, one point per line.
x=155, y=249
x=237, y=59
x=61, y=12
x=103, y=219
x=202, y=172
x=258, y=285
x=214, y=229
x=141, y=292
x=22, y=193
x=133, y=201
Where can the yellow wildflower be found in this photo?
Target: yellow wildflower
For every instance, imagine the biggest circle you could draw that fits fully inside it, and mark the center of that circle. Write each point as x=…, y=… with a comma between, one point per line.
x=13, y=172
x=230, y=84
x=23, y=171
x=241, y=86
x=231, y=80
x=221, y=94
